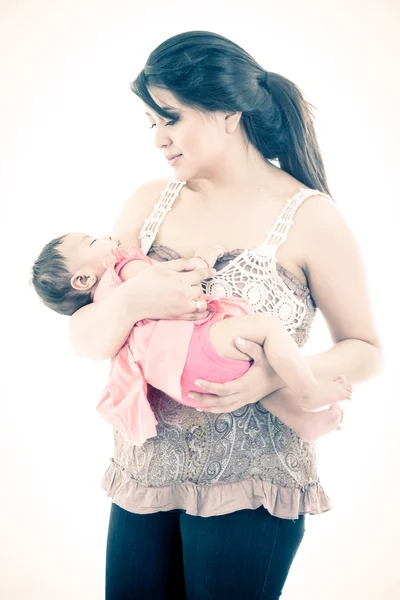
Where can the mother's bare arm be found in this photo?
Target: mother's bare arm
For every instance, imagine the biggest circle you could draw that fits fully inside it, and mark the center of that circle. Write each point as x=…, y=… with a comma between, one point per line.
x=98, y=330
x=337, y=279
x=338, y=284
x=166, y=291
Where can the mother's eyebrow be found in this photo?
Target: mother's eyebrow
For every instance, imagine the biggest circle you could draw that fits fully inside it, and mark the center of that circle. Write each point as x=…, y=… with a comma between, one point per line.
x=167, y=109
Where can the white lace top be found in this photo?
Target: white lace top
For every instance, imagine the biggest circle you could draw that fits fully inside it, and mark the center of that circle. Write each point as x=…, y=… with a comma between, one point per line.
x=212, y=464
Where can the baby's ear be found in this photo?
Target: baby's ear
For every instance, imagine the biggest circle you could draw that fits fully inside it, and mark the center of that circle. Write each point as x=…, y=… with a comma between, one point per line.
x=83, y=280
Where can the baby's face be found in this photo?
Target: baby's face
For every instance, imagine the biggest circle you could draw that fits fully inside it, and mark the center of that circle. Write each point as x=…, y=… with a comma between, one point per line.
x=85, y=251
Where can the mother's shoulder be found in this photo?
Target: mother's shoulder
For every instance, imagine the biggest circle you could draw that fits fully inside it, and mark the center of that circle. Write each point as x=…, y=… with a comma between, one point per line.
x=319, y=220
x=150, y=190
x=318, y=210
x=139, y=205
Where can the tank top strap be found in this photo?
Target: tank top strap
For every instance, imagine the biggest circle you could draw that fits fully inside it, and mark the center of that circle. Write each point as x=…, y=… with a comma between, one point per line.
x=152, y=224
x=279, y=232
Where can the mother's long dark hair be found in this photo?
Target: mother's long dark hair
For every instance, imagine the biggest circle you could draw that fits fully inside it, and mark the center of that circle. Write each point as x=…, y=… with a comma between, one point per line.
x=207, y=71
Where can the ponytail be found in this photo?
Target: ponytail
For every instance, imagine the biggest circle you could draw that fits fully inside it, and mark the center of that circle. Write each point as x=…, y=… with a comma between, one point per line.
x=207, y=71
x=290, y=135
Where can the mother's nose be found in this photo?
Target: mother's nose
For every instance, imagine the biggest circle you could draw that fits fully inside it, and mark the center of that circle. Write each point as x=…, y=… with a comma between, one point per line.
x=161, y=138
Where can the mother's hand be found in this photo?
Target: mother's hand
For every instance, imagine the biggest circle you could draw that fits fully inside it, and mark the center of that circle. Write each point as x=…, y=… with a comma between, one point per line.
x=259, y=381
x=171, y=290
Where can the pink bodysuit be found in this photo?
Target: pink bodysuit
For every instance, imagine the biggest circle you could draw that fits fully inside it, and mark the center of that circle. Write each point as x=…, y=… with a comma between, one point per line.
x=168, y=354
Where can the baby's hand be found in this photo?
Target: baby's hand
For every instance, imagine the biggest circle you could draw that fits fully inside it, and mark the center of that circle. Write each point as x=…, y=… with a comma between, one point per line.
x=207, y=256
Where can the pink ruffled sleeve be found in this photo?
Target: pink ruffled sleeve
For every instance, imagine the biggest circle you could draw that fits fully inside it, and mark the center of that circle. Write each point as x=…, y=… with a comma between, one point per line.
x=114, y=261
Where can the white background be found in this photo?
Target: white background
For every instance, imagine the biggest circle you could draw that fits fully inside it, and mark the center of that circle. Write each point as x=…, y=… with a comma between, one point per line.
x=75, y=146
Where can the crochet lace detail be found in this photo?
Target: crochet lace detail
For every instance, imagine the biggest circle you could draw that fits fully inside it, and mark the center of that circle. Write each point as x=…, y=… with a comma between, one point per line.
x=210, y=464
x=162, y=207
x=252, y=274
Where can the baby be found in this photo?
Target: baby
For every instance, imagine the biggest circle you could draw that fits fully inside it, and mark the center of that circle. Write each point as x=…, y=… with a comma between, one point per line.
x=76, y=269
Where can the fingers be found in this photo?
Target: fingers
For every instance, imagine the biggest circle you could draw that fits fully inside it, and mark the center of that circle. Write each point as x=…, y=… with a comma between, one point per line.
x=342, y=379
x=347, y=386
x=214, y=390
x=218, y=400
x=199, y=262
x=208, y=255
x=205, y=399
x=210, y=249
x=199, y=275
x=222, y=410
x=195, y=292
x=341, y=423
x=180, y=264
x=210, y=407
x=250, y=348
x=199, y=305
x=226, y=393
x=194, y=316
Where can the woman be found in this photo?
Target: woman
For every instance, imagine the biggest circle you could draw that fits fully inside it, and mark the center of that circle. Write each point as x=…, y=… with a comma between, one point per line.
x=214, y=505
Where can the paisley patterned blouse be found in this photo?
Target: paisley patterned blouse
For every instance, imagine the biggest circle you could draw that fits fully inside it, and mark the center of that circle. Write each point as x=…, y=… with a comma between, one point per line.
x=208, y=464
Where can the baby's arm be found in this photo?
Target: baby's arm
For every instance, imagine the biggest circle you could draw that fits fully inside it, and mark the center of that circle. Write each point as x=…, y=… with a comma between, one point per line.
x=121, y=265
x=132, y=268
x=205, y=254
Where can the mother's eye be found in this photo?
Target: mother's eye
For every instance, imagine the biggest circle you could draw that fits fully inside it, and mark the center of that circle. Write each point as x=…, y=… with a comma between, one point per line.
x=171, y=122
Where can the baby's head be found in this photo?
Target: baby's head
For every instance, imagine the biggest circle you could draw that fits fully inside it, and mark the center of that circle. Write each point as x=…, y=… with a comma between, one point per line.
x=68, y=269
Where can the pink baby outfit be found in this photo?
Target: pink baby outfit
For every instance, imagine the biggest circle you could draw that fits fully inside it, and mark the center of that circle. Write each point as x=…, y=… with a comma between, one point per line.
x=168, y=354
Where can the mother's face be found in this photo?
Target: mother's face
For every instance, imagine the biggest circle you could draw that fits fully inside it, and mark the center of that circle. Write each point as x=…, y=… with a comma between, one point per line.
x=198, y=140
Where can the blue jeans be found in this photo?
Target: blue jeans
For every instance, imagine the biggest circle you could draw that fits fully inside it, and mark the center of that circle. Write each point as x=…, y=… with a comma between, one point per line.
x=244, y=555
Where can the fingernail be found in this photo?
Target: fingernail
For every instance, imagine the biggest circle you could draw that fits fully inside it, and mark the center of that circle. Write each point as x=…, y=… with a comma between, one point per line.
x=240, y=341
x=199, y=410
x=214, y=272
x=198, y=384
x=191, y=396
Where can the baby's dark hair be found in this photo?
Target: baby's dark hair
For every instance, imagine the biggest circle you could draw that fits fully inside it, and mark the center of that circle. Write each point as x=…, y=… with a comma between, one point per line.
x=52, y=280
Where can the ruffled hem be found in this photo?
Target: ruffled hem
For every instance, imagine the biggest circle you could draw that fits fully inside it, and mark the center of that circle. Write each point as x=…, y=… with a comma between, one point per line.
x=216, y=499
